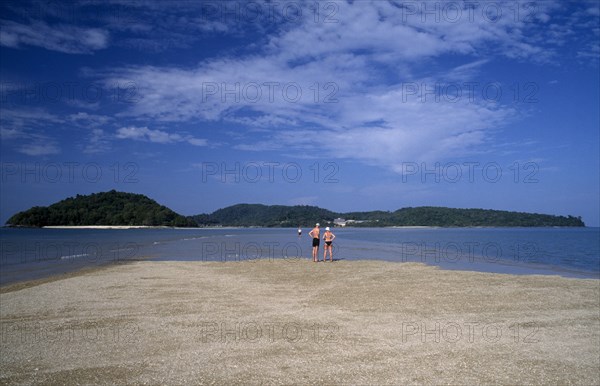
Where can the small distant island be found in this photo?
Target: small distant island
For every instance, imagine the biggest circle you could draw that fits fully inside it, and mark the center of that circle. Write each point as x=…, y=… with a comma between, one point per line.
x=128, y=209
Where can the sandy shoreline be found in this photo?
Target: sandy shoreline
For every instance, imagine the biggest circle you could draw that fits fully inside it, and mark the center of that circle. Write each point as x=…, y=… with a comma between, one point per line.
x=278, y=321
x=102, y=227
x=127, y=227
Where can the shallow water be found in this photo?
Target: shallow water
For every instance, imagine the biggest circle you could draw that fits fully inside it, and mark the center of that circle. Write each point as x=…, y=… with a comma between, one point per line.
x=573, y=252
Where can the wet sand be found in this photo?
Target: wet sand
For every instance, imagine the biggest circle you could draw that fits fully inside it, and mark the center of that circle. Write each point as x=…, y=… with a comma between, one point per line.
x=281, y=321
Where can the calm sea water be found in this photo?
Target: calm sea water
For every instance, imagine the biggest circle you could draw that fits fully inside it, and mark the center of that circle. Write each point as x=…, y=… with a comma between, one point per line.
x=573, y=252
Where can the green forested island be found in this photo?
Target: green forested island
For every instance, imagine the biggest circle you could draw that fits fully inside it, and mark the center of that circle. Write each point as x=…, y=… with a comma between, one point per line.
x=266, y=215
x=291, y=216
x=119, y=208
x=107, y=208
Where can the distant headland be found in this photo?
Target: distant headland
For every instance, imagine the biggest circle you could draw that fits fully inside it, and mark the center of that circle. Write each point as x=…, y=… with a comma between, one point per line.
x=125, y=210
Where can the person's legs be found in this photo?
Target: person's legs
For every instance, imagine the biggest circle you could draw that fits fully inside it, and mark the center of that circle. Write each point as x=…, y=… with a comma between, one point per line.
x=315, y=250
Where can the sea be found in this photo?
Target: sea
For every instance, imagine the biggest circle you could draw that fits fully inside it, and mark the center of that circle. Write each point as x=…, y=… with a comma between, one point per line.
x=28, y=254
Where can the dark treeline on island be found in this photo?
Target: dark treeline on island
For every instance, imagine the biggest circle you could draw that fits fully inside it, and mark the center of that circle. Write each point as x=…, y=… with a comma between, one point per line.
x=118, y=208
x=266, y=216
x=107, y=208
x=291, y=216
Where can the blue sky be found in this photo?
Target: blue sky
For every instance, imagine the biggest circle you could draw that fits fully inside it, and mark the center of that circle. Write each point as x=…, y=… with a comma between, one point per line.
x=347, y=106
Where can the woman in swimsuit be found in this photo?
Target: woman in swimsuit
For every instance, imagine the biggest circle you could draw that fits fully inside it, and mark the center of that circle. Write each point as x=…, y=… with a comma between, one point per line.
x=328, y=236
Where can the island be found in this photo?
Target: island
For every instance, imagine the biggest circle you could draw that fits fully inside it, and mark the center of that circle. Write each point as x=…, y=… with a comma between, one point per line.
x=102, y=209
x=304, y=215
x=128, y=209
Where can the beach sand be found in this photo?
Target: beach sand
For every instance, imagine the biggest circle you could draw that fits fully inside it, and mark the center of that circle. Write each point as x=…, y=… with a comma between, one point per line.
x=282, y=321
x=102, y=227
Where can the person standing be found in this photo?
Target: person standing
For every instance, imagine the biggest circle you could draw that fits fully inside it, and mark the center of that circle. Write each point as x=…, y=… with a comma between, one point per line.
x=314, y=233
x=299, y=231
x=328, y=236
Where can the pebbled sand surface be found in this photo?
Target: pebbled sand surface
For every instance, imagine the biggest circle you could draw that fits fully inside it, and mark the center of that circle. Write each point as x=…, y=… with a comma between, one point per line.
x=296, y=322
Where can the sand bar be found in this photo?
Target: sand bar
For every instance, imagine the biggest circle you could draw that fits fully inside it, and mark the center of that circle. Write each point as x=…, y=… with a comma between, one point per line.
x=102, y=227
x=296, y=322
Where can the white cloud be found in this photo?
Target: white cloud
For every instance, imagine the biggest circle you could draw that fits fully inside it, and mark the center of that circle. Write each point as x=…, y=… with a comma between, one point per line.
x=197, y=141
x=98, y=142
x=594, y=10
x=89, y=120
x=157, y=136
x=27, y=117
x=362, y=62
x=8, y=134
x=61, y=38
x=39, y=149
x=25, y=128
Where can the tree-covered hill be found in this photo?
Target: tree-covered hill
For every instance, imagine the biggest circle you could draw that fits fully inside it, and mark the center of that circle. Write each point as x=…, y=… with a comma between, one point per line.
x=290, y=216
x=106, y=208
x=266, y=215
x=449, y=217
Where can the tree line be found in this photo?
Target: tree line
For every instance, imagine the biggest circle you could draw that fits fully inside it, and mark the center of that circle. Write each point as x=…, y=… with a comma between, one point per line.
x=119, y=208
x=304, y=215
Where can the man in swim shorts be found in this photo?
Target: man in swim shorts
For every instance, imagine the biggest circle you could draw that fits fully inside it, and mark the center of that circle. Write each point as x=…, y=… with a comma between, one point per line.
x=315, y=242
x=328, y=236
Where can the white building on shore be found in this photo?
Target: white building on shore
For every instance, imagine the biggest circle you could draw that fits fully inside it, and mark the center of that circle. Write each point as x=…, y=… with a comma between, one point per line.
x=339, y=222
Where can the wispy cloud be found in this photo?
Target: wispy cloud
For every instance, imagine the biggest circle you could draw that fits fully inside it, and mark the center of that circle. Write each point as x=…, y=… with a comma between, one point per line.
x=336, y=88
x=156, y=136
x=30, y=143
x=27, y=116
x=62, y=38
x=39, y=149
x=99, y=142
x=89, y=120
x=25, y=128
x=340, y=88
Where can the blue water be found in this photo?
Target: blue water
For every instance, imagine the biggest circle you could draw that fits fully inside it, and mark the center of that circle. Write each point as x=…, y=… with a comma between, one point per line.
x=572, y=252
